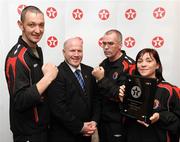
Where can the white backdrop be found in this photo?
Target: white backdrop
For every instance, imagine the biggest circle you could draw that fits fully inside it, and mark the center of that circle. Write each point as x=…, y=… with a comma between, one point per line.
x=144, y=23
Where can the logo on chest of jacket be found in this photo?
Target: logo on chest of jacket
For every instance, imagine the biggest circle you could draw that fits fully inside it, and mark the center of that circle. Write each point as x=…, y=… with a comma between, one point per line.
x=115, y=75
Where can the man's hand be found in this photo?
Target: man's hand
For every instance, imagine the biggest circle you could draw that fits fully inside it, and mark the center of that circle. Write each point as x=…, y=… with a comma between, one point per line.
x=50, y=71
x=98, y=73
x=121, y=92
x=89, y=128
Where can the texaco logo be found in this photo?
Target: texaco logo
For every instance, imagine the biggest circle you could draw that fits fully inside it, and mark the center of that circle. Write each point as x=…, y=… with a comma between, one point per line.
x=52, y=41
x=157, y=42
x=115, y=75
x=51, y=12
x=100, y=42
x=104, y=14
x=20, y=8
x=129, y=42
x=130, y=14
x=136, y=92
x=77, y=14
x=159, y=13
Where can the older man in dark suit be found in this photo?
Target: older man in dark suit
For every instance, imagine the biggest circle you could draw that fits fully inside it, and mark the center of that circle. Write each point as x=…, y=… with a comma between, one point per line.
x=73, y=97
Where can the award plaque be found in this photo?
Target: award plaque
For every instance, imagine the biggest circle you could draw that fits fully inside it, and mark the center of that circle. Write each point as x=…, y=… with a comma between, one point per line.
x=139, y=97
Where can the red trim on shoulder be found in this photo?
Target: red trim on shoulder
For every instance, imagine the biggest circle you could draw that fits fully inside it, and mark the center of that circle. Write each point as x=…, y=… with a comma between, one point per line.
x=21, y=57
x=125, y=64
x=166, y=86
x=177, y=90
x=132, y=68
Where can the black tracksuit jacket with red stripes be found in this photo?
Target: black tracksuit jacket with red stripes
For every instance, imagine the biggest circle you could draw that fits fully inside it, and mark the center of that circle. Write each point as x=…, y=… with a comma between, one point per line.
x=28, y=109
x=166, y=129
x=115, y=75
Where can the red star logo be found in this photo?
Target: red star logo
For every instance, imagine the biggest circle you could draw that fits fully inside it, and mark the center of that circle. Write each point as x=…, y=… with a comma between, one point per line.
x=77, y=14
x=20, y=8
x=100, y=42
x=129, y=42
x=51, y=12
x=104, y=14
x=130, y=14
x=52, y=41
x=157, y=42
x=159, y=13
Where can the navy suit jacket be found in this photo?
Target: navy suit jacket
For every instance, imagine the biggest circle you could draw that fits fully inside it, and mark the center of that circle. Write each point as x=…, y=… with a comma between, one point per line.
x=70, y=106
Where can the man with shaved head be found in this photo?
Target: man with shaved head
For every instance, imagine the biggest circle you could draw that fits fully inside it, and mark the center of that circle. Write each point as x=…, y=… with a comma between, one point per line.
x=28, y=78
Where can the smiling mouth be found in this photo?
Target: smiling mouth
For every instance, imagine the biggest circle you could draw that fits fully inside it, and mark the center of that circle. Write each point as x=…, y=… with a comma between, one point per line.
x=36, y=36
x=143, y=70
x=76, y=60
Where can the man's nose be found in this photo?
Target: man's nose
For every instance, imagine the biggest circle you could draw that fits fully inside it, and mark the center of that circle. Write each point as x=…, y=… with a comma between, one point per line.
x=76, y=53
x=37, y=29
x=106, y=46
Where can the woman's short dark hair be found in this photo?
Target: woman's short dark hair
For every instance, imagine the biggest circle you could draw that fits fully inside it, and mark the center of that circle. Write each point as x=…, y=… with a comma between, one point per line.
x=152, y=53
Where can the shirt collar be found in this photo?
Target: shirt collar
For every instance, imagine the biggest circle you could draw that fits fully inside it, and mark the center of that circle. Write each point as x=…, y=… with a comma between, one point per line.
x=73, y=69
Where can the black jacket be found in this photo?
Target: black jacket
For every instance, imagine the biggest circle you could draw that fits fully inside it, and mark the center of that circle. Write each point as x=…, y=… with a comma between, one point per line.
x=168, y=106
x=115, y=75
x=28, y=110
x=70, y=106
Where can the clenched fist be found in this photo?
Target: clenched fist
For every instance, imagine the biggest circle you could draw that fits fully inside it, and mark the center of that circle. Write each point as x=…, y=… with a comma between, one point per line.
x=98, y=73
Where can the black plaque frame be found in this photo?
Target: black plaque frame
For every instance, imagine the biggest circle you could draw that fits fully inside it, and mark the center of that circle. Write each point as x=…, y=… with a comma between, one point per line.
x=139, y=97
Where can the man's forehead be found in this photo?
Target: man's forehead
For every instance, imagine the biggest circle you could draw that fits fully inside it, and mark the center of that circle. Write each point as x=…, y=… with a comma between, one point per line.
x=74, y=41
x=74, y=44
x=30, y=15
x=110, y=36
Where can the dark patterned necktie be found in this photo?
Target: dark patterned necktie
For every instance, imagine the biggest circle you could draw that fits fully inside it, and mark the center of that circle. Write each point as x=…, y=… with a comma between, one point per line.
x=80, y=79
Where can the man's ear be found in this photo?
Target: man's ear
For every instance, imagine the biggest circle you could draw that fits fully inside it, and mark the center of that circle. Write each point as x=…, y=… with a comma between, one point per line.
x=20, y=24
x=63, y=51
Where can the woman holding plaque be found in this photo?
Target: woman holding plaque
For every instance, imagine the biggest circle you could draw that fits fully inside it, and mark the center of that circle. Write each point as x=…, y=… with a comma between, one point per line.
x=165, y=121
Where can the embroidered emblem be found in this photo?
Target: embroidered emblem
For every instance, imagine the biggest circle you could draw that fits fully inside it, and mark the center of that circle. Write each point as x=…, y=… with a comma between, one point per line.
x=115, y=75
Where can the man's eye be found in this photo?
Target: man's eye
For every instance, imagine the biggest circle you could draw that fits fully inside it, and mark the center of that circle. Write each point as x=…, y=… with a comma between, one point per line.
x=111, y=43
x=31, y=25
x=108, y=43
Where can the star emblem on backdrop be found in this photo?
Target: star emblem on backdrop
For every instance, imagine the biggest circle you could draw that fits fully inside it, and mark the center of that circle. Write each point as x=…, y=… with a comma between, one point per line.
x=157, y=41
x=104, y=14
x=159, y=13
x=130, y=14
x=129, y=42
x=20, y=8
x=52, y=41
x=77, y=14
x=51, y=12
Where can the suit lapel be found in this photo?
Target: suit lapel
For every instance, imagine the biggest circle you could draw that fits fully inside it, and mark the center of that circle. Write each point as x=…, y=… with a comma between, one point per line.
x=72, y=77
x=86, y=76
